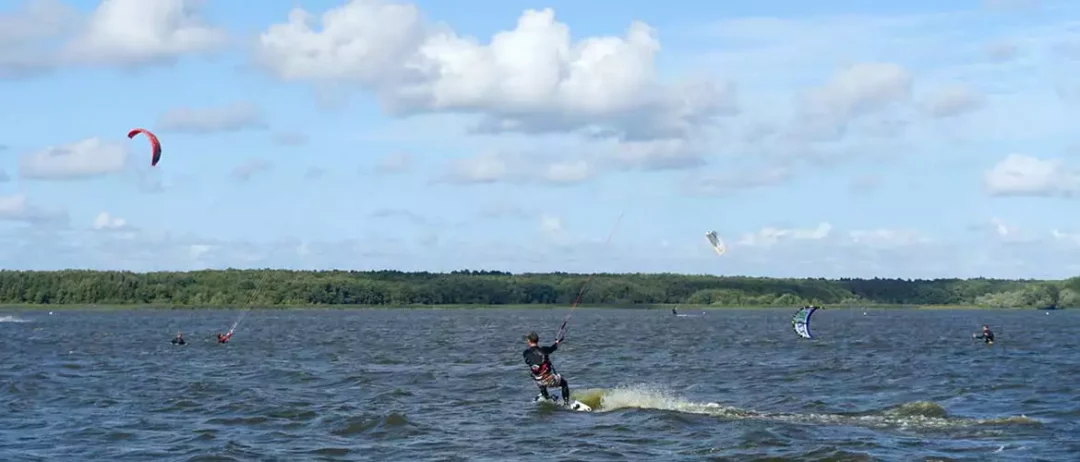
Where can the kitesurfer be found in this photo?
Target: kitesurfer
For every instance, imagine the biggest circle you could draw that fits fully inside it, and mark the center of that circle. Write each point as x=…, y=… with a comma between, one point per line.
x=223, y=338
x=179, y=340
x=986, y=335
x=674, y=313
x=543, y=372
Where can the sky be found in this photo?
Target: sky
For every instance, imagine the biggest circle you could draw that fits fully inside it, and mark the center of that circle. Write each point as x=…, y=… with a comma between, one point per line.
x=843, y=138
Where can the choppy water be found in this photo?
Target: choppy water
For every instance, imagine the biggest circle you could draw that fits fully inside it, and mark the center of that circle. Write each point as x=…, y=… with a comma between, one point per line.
x=450, y=385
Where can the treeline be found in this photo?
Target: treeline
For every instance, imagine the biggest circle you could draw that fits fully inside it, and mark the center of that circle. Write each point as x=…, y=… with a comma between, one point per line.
x=395, y=288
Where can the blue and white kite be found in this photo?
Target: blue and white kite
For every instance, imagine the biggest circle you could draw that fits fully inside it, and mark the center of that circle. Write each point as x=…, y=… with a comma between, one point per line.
x=801, y=321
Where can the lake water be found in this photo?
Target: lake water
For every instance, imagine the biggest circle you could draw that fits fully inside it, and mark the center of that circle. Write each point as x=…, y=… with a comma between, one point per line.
x=423, y=384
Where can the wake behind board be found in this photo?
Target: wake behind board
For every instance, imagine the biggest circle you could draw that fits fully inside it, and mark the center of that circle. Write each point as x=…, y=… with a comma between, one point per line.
x=574, y=405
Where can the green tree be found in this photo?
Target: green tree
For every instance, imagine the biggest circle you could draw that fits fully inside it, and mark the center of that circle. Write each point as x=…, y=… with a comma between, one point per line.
x=395, y=288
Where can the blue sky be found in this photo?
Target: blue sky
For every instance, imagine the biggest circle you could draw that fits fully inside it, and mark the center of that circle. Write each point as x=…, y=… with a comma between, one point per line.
x=819, y=139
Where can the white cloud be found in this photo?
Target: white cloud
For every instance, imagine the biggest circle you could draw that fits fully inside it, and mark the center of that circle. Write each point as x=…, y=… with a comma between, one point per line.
x=132, y=32
x=532, y=79
x=811, y=252
x=732, y=181
x=1006, y=233
x=551, y=224
x=83, y=159
x=895, y=79
x=888, y=237
x=770, y=236
x=227, y=118
x=574, y=171
x=577, y=163
x=17, y=208
x=36, y=19
x=23, y=31
x=553, y=234
x=1022, y=175
x=245, y=171
x=823, y=236
x=882, y=93
x=488, y=167
x=1071, y=238
x=1003, y=229
x=46, y=35
x=858, y=98
x=519, y=168
x=860, y=88
x=153, y=250
x=669, y=154
x=952, y=101
x=870, y=107
x=106, y=222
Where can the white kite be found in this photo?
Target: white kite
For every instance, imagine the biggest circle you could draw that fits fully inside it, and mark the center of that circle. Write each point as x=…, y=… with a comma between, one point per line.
x=717, y=244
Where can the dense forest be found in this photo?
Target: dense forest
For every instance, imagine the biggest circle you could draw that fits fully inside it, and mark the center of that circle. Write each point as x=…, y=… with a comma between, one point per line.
x=395, y=288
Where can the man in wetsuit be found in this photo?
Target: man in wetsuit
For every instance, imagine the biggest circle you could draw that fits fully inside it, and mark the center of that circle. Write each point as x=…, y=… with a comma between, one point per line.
x=543, y=372
x=223, y=338
x=986, y=335
x=179, y=340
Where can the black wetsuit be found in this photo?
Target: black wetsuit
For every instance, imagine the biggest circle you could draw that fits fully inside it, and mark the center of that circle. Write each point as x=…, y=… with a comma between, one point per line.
x=178, y=341
x=543, y=372
x=986, y=336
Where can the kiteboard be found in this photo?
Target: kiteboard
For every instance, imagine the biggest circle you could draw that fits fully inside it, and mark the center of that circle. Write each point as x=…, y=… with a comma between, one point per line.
x=574, y=405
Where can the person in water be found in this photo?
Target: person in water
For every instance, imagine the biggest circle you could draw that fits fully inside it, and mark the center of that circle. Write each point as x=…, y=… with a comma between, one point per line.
x=223, y=338
x=543, y=372
x=179, y=340
x=986, y=335
x=673, y=312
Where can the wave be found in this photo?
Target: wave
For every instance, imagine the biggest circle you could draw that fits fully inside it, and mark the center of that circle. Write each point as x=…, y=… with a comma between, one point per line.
x=12, y=319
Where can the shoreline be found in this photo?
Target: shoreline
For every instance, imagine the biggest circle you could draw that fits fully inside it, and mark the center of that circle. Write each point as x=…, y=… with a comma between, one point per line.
x=660, y=307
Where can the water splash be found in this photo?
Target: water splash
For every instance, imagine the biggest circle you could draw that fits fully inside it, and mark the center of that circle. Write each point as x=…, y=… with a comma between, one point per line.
x=238, y=319
x=914, y=415
x=12, y=319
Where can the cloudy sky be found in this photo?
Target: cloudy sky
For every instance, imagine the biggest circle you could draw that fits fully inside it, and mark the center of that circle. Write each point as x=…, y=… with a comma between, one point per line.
x=819, y=139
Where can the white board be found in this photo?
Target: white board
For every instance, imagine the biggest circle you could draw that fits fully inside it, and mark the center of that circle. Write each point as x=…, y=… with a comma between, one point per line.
x=574, y=405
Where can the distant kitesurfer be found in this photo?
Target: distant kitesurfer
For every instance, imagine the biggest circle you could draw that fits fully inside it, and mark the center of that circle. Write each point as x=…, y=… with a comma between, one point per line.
x=543, y=372
x=179, y=340
x=674, y=313
x=986, y=335
x=223, y=338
